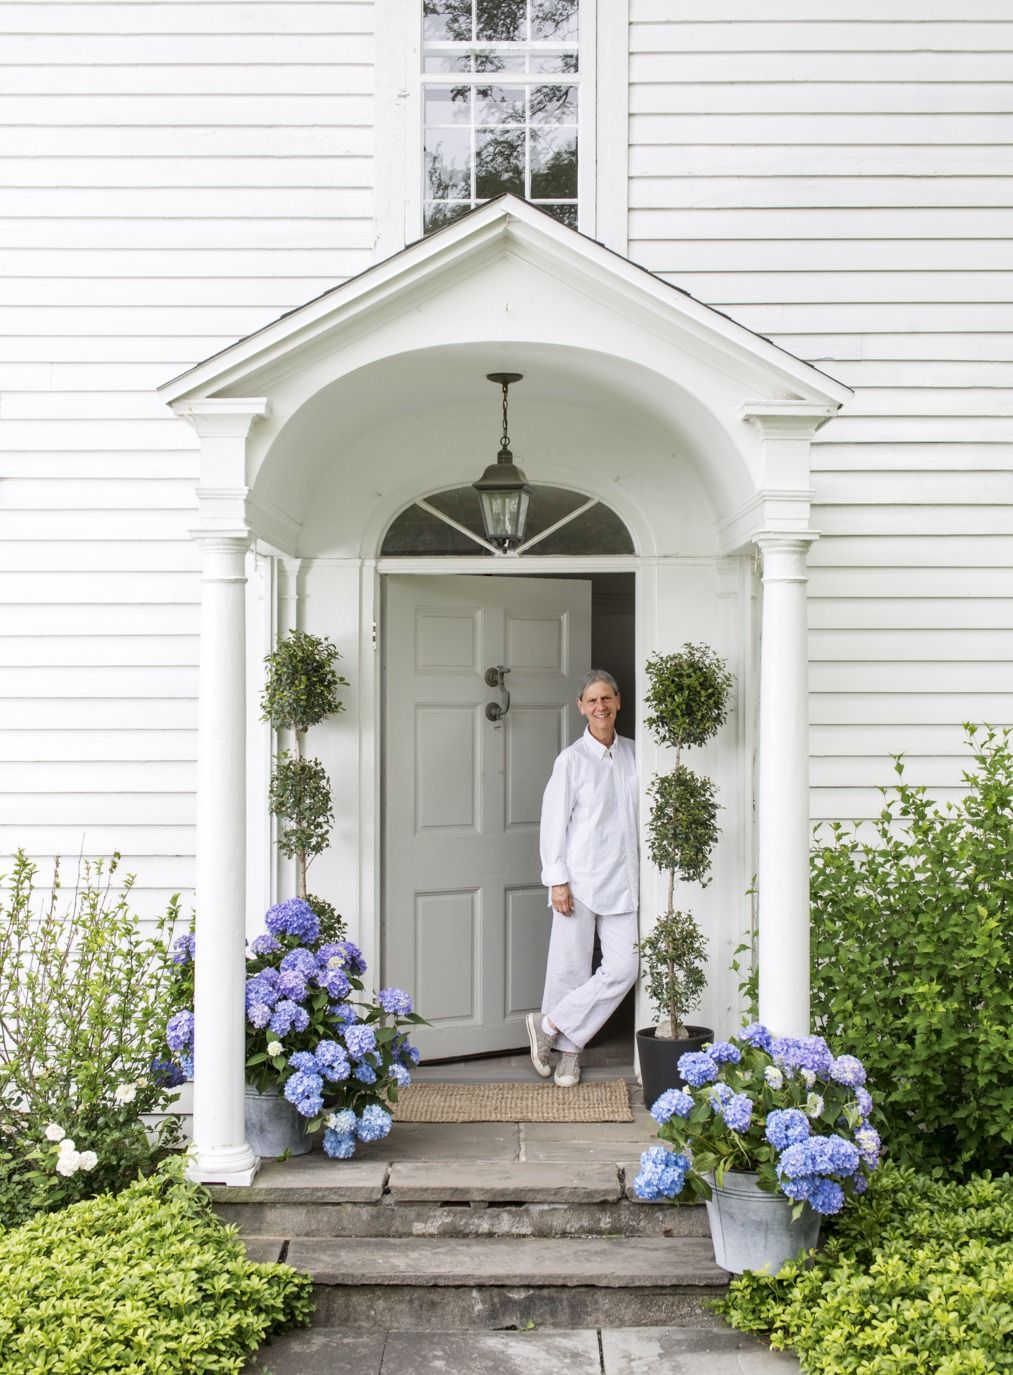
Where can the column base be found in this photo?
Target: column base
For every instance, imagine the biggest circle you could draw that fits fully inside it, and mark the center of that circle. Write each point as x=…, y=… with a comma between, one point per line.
x=233, y=1165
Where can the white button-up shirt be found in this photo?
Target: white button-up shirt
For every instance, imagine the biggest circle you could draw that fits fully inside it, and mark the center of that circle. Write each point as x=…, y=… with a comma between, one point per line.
x=588, y=835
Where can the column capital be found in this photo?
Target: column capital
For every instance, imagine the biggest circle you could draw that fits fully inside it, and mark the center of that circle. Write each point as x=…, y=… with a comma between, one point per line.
x=785, y=554
x=223, y=417
x=798, y=420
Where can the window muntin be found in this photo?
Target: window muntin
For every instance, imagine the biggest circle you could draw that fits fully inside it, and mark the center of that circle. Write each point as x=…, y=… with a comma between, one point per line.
x=559, y=521
x=516, y=133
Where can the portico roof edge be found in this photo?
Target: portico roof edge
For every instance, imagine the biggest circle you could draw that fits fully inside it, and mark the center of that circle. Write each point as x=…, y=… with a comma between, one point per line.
x=478, y=230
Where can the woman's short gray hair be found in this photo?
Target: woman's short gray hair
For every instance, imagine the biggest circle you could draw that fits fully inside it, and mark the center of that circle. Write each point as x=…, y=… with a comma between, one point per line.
x=597, y=675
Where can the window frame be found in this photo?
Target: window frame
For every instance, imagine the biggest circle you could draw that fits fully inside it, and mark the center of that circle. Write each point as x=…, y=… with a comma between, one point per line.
x=585, y=80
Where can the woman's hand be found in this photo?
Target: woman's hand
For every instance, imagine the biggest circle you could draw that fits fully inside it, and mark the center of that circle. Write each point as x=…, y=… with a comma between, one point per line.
x=561, y=899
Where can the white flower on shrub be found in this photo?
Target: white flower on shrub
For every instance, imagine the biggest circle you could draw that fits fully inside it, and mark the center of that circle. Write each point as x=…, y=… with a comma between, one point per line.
x=125, y=1093
x=87, y=1160
x=274, y=1048
x=54, y=1132
x=67, y=1143
x=68, y=1163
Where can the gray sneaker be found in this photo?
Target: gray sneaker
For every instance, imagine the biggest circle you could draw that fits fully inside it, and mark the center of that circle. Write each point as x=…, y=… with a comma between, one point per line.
x=540, y=1044
x=567, y=1074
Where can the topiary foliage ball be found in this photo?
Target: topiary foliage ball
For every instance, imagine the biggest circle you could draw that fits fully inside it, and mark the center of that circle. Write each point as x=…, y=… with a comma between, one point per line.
x=302, y=683
x=687, y=696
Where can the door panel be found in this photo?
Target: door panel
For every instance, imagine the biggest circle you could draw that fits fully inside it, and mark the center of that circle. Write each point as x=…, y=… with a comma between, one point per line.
x=466, y=924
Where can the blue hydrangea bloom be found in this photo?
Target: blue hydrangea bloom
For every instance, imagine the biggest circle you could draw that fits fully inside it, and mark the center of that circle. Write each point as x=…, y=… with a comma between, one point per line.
x=724, y=1053
x=395, y=1001
x=342, y=1122
x=183, y=949
x=258, y=1015
x=335, y=981
x=859, y=1183
x=672, y=1103
x=166, y=1074
x=803, y=1052
x=264, y=944
x=344, y=1013
x=365, y=1073
x=342, y=955
x=304, y=1092
x=662, y=1174
x=757, y=1035
x=299, y=961
x=737, y=1112
x=825, y=1196
x=847, y=1070
x=186, y=1064
x=179, y=1031
x=287, y=1015
x=864, y=1100
x=292, y=985
x=719, y=1095
x=400, y=1075
x=360, y=1040
x=828, y=1155
x=331, y=1061
x=261, y=989
x=414, y=1054
x=339, y=1146
x=304, y=1061
x=294, y=917
x=868, y=1143
x=373, y=1124
x=697, y=1068
x=786, y=1127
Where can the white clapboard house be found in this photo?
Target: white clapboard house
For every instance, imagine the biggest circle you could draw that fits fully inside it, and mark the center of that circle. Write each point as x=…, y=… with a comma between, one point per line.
x=752, y=261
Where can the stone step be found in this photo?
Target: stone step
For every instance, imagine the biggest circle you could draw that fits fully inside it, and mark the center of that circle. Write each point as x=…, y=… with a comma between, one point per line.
x=500, y=1282
x=448, y=1198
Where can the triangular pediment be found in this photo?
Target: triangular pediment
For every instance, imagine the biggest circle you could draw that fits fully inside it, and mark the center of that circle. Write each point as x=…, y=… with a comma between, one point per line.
x=505, y=226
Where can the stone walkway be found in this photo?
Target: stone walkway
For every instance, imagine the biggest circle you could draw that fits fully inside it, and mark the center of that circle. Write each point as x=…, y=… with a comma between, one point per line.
x=610, y=1351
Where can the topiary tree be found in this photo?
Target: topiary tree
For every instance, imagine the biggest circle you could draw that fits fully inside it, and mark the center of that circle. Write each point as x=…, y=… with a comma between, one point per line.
x=687, y=701
x=301, y=690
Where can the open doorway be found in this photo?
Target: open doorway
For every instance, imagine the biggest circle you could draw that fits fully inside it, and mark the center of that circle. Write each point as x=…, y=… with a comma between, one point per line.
x=464, y=916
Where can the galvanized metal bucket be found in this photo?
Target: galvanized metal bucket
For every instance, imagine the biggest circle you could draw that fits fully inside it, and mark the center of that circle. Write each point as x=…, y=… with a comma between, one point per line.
x=753, y=1230
x=273, y=1127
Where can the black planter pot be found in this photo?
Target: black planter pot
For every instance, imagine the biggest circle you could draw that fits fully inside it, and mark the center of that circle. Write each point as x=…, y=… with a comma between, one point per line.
x=659, y=1057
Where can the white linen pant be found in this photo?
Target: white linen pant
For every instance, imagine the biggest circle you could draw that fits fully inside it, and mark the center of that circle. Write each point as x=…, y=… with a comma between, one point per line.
x=575, y=1000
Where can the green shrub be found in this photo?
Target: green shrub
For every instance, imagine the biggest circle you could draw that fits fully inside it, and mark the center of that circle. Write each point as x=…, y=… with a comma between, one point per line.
x=147, y=1282
x=84, y=997
x=912, y=949
x=916, y=1277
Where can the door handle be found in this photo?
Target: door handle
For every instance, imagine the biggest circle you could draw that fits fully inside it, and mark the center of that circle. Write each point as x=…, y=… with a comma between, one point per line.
x=496, y=678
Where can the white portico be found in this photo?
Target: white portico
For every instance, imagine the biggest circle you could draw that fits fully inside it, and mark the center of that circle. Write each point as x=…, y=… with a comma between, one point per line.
x=319, y=430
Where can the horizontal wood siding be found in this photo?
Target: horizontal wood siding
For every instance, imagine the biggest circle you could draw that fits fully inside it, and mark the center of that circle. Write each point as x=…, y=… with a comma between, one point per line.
x=172, y=176
x=839, y=177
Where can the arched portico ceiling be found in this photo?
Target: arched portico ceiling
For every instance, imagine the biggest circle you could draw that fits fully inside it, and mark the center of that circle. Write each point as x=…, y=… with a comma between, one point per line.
x=508, y=288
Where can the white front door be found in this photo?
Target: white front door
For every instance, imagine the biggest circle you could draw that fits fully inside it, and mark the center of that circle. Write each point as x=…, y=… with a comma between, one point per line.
x=466, y=925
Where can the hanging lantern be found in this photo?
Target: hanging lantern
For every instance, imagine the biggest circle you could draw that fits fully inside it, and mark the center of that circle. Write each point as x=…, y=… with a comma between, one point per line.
x=503, y=489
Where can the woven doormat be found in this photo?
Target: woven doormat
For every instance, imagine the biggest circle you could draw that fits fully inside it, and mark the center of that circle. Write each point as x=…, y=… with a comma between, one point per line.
x=593, y=1102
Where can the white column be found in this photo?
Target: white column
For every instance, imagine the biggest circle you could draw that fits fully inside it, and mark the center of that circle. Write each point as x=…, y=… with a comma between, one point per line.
x=783, y=787
x=221, y=1152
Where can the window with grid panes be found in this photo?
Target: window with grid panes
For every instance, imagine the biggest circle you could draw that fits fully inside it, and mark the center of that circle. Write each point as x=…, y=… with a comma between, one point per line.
x=500, y=86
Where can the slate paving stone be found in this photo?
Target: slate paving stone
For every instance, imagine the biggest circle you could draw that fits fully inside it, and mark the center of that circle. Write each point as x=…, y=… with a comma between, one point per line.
x=320, y=1351
x=509, y=1180
x=531, y=1261
x=690, y=1351
x=451, y=1141
x=304, y=1177
x=492, y=1353
x=542, y=1351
